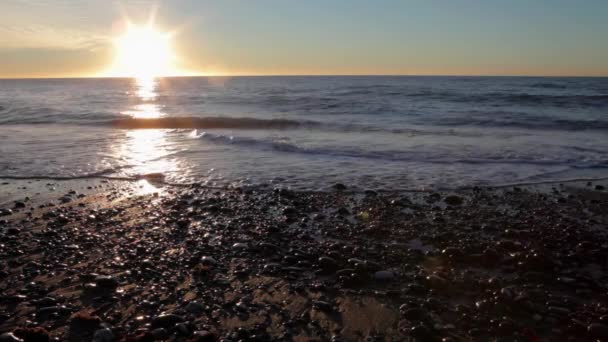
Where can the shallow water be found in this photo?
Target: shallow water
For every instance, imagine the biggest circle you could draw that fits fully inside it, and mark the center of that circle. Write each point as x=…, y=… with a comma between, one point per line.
x=308, y=132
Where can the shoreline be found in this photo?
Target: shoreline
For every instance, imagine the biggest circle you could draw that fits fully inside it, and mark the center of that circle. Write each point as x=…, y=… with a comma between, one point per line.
x=158, y=180
x=138, y=262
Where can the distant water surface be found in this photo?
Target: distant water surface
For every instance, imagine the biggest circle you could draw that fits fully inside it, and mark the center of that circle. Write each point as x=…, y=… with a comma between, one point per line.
x=308, y=132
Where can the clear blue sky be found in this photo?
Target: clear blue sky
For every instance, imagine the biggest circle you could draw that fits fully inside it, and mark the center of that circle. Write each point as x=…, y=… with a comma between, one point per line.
x=510, y=37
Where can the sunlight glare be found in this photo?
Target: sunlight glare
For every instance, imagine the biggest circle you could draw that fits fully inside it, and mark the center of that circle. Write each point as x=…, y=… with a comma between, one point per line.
x=144, y=52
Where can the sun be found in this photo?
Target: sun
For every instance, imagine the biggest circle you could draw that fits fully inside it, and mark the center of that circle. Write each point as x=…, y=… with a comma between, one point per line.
x=143, y=52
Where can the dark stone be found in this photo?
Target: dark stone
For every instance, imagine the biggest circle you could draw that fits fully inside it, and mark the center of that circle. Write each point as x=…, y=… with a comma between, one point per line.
x=327, y=263
x=103, y=335
x=9, y=337
x=106, y=282
x=453, y=200
x=37, y=334
x=422, y=333
x=598, y=330
x=183, y=224
x=339, y=186
x=166, y=321
x=322, y=306
x=195, y=308
x=203, y=336
x=82, y=327
x=13, y=231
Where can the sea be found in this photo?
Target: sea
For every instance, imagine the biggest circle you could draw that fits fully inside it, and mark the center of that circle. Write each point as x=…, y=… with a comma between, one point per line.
x=307, y=132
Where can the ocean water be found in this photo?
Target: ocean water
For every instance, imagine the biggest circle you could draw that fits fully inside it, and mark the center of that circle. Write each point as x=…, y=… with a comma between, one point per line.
x=308, y=132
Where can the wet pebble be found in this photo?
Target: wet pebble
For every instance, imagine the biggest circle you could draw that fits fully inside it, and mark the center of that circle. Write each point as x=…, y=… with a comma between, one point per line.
x=166, y=320
x=208, y=261
x=598, y=330
x=103, y=335
x=239, y=246
x=453, y=200
x=106, y=282
x=327, y=263
x=204, y=336
x=9, y=337
x=384, y=275
x=322, y=306
x=195, y=308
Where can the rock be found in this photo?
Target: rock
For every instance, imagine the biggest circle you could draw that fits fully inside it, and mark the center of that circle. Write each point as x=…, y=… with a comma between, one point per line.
x=239, y=246
x=82, y=327
x=36, y=334
x=9, y=337
x=13, y=231
x=559, y=311
x=166, y=320
x=203, y=336
x=437, y=282
x=208, y=261
x=19, y=204
x=159, y=334
x=327, y=263
x=599, y=187
x=183, y=224
x=422, y=333
x=106, y=282
x=6, y=212
x=598, y=330
x=339, y=186
x=414, y=314
x=384, y=275
x=103, y=335
x=195, y=308
x=343, y=211
x=453, y=200
x=322, y=306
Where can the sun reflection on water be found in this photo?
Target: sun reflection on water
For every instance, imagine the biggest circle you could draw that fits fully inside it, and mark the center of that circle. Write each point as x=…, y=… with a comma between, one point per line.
x=146, y=151
x=146, y=88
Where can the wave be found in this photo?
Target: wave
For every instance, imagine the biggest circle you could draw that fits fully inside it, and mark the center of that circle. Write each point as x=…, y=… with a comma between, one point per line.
x=270, y=124
x=211, y=123
x=483, y=119
x=548, y=85
x=284, y=145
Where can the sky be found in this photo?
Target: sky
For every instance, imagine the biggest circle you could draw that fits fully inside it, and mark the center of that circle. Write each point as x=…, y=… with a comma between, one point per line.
x=74, y=38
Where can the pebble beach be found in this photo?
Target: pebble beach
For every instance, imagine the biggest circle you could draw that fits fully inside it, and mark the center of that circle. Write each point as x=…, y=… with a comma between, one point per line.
x=106, y=260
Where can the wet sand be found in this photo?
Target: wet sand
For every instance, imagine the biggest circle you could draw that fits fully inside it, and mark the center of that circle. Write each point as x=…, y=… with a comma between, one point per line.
x=114, y=260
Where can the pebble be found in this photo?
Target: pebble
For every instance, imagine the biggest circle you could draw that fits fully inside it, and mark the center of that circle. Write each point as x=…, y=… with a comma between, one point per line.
x=327, y=263
x=239, y=245
x=5, y=212
x=103, y=335
x=384, y=276
x=598, y=330
x=207, y=260
x=166, y=321
x=9, y=337
x=204, y=336
x=106, y=282
x=195, y=308
x=453, y=200
x=322, y=306
x=339, y=186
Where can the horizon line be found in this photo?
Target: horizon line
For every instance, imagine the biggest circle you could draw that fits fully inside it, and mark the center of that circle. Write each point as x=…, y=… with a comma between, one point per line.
x=302, y=75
